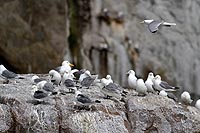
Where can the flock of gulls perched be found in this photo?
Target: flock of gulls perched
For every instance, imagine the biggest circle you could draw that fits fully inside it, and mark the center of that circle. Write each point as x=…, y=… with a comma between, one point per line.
x=75, y=80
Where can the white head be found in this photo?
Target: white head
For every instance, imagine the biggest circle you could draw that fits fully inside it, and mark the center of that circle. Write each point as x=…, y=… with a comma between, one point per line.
x=150, y=76
x=51, y=72
x=87, y=73
x=131, y=72
x=66, y=63
x=77, y=93
x=34, y=88
x=34, y=77
x=108, y=77
x=147, y=21
x=157, y=77
x=2, y=68
x=41, y=84
x=185, y=97
x=163, y=93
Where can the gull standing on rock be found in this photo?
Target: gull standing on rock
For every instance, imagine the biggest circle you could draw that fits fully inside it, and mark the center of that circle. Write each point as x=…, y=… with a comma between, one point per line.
x=153, y=25
x=107, y=80
x=112, y=90
x=185, y=98
x=141, y=87
x=68, y=81
x=55, y=77
x=149, y=83
x=162, y=85
x=84, y=75
x=66, y=66
x=132, y=79
x=168, y=94
x=35, y=79
x=83, y=99
x=46, y=86
x=6, y=74
x=38, y=94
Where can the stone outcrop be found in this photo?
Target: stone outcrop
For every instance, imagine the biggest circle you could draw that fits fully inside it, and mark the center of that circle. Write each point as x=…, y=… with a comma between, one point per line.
x=33, y=34
x=62, y=113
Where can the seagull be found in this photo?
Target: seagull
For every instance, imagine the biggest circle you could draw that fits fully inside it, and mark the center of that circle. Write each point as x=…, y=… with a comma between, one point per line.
x=38, y=94
x=106, y=81
x=162, y=85
x=67, y=75
x=84, y=75
x=112, y=90
x=185, y=98
x=55, y=77
x=141, y=87
x=6, y=74
x=66, y=66
x=35, y=79
x=149, y=83
x=46, y=86
x=70, y=85
x=83, y=99
x=168, y=94
x=197, y=104
x=132, y=79
x=153, y=25
x=87, y=82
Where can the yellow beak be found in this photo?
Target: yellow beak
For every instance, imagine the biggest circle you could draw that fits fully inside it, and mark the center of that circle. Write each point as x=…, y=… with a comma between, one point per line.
x=71, y=65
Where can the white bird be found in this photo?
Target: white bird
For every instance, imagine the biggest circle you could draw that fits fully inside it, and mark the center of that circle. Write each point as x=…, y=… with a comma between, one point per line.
x=38, y=94
x=84, y=75
x=112, y=90
x=107, y=80
x=185, y=98
x=66, y=67
x=141, y=87
x=162, y=85
x=83, y=99
x=163, y=93
x=149, y=83
x=154, y=25
x=35, y=79
x=168, y=94
x=132, y=79
x=55, y=77
x=67, y=75
x=197, y=104
x=46, y=86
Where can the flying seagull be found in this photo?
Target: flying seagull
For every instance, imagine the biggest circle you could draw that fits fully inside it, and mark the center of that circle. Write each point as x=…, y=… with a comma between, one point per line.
x=154, y=25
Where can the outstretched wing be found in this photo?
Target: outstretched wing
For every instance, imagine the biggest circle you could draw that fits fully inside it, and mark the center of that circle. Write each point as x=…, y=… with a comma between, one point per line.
x=168, y=24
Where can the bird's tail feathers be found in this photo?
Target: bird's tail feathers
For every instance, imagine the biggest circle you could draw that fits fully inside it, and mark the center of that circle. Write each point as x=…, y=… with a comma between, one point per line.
x=97, y=101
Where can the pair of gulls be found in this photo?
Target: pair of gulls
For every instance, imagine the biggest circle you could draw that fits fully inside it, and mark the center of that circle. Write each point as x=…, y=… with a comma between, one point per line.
x=154, y=25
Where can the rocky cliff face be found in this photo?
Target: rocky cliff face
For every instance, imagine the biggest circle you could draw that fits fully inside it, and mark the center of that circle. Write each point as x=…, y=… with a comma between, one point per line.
x=33, y=34
x=59, y=113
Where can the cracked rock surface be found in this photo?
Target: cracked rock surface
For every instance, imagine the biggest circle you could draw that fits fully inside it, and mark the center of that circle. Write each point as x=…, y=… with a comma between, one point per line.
x=61, y=113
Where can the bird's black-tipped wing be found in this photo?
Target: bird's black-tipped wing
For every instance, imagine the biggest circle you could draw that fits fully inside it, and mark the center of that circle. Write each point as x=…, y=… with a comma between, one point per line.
x=112, y=87
x=153, y=26
x=165, y=85
x=87, y=81
x=69, y=83
x=83, y=99
x=39, y=95
x=8, y=74
x=48, y=87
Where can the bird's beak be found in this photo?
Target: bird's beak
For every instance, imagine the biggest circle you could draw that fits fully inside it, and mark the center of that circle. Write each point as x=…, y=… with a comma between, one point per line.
x=71, y=65
x=142, y=22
